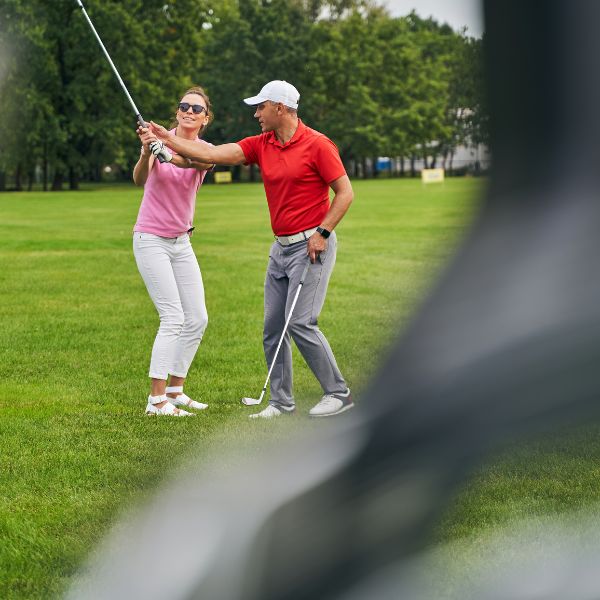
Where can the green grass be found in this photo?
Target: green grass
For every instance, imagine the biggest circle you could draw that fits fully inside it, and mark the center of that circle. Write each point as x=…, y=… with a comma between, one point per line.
x=552, y=474
x=77, y=328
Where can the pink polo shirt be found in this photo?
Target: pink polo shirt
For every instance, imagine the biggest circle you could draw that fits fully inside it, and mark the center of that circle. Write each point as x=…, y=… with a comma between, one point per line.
x=169, y=200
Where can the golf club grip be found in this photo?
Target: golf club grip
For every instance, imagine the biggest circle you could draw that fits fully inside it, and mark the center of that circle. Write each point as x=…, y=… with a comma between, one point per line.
x=304, y=273
x=143, y=124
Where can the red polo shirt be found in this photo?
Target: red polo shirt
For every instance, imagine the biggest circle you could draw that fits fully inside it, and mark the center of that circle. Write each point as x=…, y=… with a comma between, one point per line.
x=296, y=176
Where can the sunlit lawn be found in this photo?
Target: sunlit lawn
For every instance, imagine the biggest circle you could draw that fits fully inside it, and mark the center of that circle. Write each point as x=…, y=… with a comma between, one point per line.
x=77, y=328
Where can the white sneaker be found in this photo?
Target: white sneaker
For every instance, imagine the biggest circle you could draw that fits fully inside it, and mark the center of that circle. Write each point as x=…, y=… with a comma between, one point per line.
x=184, y=400
x=270, y=412
x=332, y=404
x=167, y=409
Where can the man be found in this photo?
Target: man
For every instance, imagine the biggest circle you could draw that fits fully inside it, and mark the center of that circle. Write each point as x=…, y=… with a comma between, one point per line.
x=298, y=166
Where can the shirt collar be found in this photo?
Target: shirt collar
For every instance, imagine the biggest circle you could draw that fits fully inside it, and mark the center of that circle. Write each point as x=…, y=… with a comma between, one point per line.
x=300, y=130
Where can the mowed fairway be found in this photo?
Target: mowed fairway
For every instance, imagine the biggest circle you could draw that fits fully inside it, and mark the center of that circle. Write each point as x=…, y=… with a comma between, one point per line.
x=77, y=328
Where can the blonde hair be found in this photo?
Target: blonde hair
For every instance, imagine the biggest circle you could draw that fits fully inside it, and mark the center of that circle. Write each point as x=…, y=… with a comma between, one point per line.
x=199, y=92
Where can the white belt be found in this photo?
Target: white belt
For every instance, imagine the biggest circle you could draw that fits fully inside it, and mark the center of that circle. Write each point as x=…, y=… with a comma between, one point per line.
x=288, y=240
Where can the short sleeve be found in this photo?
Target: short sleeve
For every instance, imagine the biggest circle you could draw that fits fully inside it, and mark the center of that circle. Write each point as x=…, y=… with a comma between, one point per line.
x=328, y=161
x=249, y=147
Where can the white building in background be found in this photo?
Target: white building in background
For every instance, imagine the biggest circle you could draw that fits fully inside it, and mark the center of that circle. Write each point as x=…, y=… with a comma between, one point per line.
x=471, y=159
x=466, y=159
x=471, y=156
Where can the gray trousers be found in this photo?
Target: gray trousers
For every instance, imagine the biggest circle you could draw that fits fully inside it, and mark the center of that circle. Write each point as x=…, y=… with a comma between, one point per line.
x=286, y=264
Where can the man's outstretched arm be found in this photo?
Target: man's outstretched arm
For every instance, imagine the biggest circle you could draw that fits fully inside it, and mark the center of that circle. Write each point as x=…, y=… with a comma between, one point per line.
x=225, y=154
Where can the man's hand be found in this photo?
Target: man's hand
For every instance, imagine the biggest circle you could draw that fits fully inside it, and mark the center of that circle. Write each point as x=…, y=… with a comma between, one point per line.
x=159, y=131
x=146, y=138
x=160, y=151
x=316, y=244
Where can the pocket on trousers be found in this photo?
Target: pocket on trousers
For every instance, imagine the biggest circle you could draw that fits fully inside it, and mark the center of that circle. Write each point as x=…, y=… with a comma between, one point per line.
x=140, y=239
x=141, y=235
x=329, y=253
x=273, y=268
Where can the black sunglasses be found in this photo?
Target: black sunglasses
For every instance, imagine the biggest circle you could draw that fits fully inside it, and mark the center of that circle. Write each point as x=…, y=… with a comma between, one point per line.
x=197, y=108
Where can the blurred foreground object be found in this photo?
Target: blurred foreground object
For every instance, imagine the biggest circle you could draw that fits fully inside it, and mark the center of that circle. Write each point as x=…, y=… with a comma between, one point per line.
x=507, y=343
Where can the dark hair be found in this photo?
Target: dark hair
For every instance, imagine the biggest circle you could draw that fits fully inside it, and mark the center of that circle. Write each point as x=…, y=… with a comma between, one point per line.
x=288, y=109
x=200, y=92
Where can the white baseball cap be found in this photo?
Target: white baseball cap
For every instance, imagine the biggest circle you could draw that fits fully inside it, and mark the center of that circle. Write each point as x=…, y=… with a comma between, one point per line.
x=276, y=91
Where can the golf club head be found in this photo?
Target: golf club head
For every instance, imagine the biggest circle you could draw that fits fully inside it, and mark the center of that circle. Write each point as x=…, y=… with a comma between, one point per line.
x=251, y=401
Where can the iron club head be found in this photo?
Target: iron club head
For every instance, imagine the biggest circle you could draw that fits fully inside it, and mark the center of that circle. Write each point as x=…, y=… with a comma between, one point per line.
x=251, y=401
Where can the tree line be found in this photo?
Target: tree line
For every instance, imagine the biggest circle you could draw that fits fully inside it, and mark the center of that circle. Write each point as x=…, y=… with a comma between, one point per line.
x=377, y=85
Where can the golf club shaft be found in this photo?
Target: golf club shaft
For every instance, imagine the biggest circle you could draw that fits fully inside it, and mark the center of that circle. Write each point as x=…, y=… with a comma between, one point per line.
x=135, y=109
x=287, y=322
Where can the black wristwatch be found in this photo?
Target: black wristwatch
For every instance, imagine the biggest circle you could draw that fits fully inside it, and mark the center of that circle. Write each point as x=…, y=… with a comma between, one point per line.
x=324, y=232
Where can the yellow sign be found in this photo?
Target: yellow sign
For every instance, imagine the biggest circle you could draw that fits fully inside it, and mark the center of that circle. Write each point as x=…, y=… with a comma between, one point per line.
x=432, y=175
x=222, y=176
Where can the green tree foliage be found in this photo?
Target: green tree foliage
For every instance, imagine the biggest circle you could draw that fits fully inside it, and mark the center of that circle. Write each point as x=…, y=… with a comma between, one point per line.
x=64, y=104
x=377, y=85
x=343, y=69
x=248, y=44
x=475, y=91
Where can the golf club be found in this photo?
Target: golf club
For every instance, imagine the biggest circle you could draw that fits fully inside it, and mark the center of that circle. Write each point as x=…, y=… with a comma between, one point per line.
x=255, y=401
x=161, y=157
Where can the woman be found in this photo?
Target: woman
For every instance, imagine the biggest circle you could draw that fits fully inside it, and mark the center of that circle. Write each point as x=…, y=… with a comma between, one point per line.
x=166, y=260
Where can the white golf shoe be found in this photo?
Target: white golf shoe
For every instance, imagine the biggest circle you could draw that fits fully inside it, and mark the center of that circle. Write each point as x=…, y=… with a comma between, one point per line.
x=184, y=400
x=270, y=413
x=167, y=409
x=332, y=404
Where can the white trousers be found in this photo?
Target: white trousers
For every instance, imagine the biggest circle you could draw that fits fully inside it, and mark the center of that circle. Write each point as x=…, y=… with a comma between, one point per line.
x=172, y=276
